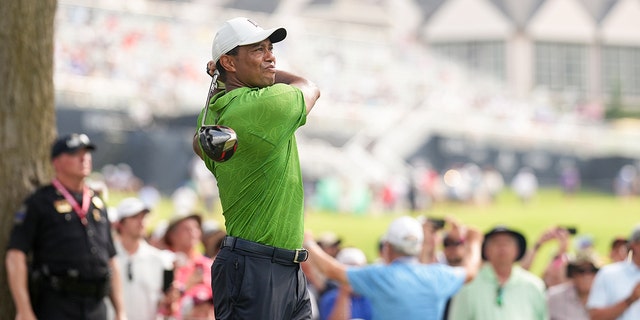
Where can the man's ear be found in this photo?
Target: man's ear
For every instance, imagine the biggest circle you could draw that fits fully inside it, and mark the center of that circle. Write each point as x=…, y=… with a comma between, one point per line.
x=228, y=63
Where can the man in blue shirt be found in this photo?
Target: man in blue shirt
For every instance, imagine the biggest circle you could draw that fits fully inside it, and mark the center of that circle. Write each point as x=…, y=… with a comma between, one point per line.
x=616, y=288
x=403, y=287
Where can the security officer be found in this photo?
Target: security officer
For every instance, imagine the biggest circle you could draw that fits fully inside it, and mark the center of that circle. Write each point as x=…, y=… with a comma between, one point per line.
x=60, y=260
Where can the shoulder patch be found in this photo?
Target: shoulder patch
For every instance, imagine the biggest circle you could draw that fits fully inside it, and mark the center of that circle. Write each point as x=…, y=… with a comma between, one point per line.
x=20, y=215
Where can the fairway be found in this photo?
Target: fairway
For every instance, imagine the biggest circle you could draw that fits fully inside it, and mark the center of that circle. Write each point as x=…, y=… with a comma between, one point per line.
x=602, y=216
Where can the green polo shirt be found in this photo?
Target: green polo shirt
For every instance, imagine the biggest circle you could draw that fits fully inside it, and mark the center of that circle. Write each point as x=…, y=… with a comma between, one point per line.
x=523, y=297
x=261, y=185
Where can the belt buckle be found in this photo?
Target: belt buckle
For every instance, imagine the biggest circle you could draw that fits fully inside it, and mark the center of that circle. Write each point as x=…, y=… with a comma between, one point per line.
x=297, y=255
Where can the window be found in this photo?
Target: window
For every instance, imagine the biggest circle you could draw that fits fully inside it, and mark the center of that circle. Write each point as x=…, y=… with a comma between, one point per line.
x=621, y=70
x=561, y=66
x=485, y=57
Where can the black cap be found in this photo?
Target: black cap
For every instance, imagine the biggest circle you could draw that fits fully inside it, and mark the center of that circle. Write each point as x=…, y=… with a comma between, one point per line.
x=71, y=143
x=522, y=242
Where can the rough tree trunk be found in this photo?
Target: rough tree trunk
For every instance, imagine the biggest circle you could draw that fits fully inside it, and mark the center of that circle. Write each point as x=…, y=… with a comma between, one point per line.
x=27, y=115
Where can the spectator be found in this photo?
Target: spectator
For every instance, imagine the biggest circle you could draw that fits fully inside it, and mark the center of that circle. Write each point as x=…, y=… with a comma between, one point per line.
x=198, y=304
x=616, y=288
x=64, y=229
x=403, y=287
x=626, y=181
x=502, y=290
x=156, y=237
x=555, y=271
x=330, y=243
x=431, y=228
x=192, y=268
x=619, y=250
x=453, y=245
x=212, y=236
x=525, y=184
x=341, y=303
x=144, y=268
x=567, y=301
x=570, y=179
x=453, y=253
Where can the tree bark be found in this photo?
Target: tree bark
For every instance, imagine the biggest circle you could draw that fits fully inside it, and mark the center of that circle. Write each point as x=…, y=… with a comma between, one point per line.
x=27, y=113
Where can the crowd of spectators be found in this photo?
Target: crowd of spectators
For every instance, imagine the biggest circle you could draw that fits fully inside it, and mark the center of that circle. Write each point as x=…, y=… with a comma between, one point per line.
x=576, y=284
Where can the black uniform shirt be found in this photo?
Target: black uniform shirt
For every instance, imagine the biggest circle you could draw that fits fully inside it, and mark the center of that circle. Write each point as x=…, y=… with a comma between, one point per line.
x=47, y=226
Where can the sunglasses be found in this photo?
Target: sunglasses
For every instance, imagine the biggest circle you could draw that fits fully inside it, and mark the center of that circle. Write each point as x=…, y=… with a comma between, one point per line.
x=452, y=243
x=129, y=271
x=585, y=270
x=499, y=296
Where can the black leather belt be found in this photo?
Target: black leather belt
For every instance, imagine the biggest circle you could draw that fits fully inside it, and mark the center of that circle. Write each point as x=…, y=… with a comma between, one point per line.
x=276, y=254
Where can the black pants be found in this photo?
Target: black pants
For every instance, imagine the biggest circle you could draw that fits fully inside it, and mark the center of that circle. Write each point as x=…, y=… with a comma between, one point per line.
x=249, y=286
x=55, y=305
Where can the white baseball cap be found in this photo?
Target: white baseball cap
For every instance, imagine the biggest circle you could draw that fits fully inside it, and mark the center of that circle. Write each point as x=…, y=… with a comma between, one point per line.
x=242, y=31
x=351, y=256
x=129, y=207
x=406, y=234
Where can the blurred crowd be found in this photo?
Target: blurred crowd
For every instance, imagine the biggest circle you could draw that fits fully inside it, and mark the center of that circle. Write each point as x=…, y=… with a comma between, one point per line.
x=119, y=45
x=461, y=182
x=426, y=187
x=166, y=272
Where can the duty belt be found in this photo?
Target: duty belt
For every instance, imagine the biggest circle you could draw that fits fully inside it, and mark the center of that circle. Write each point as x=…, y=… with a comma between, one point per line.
x=275, y=254
x=87, y=288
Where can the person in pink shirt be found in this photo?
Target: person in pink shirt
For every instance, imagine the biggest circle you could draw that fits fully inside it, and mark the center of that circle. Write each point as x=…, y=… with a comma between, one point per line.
x=192, y=268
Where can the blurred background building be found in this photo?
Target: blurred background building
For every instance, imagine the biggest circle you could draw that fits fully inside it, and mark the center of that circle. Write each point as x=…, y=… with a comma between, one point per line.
x=408, y=86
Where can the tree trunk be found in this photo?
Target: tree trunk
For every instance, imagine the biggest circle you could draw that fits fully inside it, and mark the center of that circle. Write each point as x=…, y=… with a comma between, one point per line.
x=27, y=113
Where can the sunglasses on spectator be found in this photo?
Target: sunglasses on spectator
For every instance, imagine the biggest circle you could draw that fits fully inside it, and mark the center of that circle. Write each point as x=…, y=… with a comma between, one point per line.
x=585, y=270
x=499, y=296
x=129, y=271
x=452, y=243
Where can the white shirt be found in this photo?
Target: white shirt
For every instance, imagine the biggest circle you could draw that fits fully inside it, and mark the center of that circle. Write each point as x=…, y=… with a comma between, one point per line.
x=614, y=283
x=144, y=290
x=564, y=303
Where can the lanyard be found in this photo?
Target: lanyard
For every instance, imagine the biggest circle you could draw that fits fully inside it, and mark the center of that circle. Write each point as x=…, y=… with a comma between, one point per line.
x=82, y=212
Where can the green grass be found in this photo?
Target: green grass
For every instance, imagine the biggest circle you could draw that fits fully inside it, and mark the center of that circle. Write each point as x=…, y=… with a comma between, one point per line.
x=600, y=216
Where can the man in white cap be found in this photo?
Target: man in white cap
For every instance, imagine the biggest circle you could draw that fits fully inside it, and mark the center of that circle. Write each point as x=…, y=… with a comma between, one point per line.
x=145, y=269
x=616, y=287
x=403, y=288
x=261, y=185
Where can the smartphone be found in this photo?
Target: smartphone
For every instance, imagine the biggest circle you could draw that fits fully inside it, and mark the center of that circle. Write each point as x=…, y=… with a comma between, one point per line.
x=167, y=280
x=437, y=223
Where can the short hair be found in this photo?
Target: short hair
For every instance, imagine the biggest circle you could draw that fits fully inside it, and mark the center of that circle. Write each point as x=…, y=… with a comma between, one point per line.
x=618, y=242
x=223, y=72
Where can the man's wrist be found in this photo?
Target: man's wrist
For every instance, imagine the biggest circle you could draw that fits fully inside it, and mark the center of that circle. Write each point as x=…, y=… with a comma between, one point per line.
x=629, y=301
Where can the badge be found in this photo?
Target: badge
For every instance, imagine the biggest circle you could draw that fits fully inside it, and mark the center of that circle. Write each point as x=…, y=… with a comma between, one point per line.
x=96, y=215
x=97, y=202
x=20, y=215
x=62, y=206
